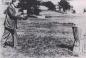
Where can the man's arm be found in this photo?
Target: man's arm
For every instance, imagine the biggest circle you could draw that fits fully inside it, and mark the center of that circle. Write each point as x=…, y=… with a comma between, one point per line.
x=12, y=14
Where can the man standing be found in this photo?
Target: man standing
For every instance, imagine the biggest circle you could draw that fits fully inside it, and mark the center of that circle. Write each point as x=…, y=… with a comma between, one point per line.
x=10, y=24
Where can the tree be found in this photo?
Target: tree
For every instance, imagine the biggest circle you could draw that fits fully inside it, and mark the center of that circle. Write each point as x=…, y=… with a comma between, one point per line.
x=63, y=4
x=50, y=5
x=30, y=5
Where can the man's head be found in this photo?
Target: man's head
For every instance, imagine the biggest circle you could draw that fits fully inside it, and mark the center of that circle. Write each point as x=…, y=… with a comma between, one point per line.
x=15, y=2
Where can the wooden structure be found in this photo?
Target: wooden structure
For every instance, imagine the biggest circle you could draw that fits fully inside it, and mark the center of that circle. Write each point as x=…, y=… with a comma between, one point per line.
x=62, y=31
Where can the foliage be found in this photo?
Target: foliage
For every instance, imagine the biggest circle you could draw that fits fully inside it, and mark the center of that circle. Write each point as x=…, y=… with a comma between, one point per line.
x=30, y=5
x=50, y=5
x=64, y=5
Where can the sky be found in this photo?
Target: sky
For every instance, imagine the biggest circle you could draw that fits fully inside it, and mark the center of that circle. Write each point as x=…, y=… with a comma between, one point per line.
x=79, y=5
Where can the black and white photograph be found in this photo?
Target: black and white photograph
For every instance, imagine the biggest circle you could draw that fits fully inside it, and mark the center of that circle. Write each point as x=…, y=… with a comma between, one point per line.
x=42, y=28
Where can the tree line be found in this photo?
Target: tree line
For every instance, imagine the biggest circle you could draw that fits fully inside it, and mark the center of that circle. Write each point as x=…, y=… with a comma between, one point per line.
x=32, y=6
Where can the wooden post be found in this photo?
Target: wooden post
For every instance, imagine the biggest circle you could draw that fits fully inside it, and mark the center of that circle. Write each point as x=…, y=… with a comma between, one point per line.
x=76, y=45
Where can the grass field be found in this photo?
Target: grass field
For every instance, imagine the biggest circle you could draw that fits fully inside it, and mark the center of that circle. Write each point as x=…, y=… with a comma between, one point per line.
x=45, y=36
x=42, y=39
